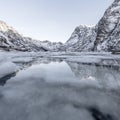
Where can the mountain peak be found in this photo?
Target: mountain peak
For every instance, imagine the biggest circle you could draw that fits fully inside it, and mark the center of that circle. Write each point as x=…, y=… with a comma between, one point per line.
x=82, y=39
x=4, y=27
x=84, y=26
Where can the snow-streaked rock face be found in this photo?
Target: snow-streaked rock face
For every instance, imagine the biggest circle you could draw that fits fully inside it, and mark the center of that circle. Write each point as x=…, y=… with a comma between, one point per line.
x=108, y=33
x=82, y=39
x=10, y=39
x=104, y=37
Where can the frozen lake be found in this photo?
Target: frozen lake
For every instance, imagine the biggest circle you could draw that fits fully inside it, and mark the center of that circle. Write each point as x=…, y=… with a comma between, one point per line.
x=55, y=88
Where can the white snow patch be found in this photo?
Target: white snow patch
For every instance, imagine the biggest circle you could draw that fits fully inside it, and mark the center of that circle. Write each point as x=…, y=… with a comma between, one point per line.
x=7, y=68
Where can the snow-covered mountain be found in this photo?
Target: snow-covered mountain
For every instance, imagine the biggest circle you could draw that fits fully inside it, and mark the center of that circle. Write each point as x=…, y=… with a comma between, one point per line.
x=108, y=32
x=105, y=36
x=52, y=46
x=10, y=39
x=82, y=39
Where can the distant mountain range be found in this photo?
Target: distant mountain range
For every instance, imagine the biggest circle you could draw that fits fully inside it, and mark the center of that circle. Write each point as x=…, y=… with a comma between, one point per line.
x=105, y=36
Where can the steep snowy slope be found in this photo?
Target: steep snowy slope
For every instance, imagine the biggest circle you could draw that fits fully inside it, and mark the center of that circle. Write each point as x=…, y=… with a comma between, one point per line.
x=82, y=39
x=104, y=37
x=10, y=39
x=108, y=33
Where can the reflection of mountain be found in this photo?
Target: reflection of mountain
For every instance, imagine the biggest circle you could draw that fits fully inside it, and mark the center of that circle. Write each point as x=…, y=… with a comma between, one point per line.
x=102, y=76
x=30, y=99
x=31, y=94
x=26, y=64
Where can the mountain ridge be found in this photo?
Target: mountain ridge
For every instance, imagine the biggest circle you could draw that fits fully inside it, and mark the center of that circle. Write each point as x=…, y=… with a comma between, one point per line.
x=104, y=36
x=82, y=39
x=10, y=39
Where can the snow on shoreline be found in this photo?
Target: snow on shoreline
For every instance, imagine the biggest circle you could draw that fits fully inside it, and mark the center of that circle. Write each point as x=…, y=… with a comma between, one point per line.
x=86, y=57
x=6, y=65
x=8, y=59
x=7, y=68
x=30, y=94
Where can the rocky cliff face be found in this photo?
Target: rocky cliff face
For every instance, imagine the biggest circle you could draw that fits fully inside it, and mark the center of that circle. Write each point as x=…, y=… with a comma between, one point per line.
x=104, y=37
x=82, y=39
x=108, y=32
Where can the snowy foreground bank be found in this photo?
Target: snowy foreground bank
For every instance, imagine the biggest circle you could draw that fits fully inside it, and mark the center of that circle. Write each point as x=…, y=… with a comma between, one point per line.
x=59, y=86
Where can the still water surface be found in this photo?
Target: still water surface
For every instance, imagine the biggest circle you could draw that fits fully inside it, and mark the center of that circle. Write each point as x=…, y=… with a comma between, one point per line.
x=62, y=91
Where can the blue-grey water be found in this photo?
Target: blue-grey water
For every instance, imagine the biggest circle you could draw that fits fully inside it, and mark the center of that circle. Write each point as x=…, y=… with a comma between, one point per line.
x=60, y=90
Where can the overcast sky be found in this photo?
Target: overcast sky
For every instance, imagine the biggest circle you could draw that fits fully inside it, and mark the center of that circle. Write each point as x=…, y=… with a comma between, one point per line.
x=52, y=20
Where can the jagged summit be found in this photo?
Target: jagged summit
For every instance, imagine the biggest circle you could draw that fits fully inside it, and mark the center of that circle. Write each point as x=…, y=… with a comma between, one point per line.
x=82, y=39
x=4, y=27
